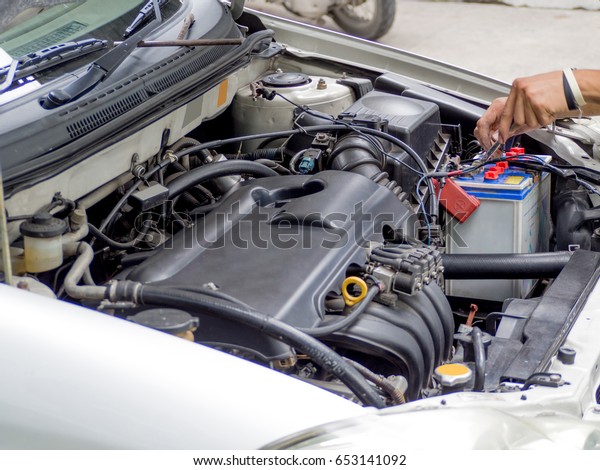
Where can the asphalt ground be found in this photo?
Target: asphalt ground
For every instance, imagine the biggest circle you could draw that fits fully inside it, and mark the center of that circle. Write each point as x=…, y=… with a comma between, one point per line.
x=503, y=42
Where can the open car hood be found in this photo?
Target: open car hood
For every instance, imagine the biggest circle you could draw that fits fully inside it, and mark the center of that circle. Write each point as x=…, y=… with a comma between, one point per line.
x=296, y=230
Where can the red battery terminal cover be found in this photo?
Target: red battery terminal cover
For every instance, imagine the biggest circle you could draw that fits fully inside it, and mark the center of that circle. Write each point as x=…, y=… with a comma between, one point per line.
x=455, y=199
x=503, y=165
x=515, y=152
x=491, y=174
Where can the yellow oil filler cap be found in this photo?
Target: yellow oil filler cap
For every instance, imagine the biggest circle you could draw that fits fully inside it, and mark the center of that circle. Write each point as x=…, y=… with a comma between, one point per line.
x=354, y=281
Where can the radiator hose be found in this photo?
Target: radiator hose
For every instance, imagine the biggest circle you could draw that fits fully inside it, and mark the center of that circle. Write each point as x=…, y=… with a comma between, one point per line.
x=504, y=265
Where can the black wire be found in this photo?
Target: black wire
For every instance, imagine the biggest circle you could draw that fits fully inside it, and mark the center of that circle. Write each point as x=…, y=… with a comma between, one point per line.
x=352, y=127
x=577, y=167
x=125, y=245
x=332, y=327
x=15, y=218
x=109, y=241
x=163, y=164
x=471, y=169
x=321, y=354
x=543, y=166
x=321, y=128
x=533, y=162
x=105, y=223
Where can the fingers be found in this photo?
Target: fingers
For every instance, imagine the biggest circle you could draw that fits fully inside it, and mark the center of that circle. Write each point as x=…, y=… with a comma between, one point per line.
x=508, y=115
x=483, y=133
x=534, y=102
x=531, y=118
x=487, y=126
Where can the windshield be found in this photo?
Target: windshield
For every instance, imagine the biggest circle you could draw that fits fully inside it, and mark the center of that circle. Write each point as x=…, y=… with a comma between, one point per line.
x=28, y=26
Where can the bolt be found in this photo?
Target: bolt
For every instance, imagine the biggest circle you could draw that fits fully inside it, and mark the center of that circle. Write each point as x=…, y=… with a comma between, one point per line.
x=443, y=402
x=23, y=285
x=322, y=84
x=523, y=397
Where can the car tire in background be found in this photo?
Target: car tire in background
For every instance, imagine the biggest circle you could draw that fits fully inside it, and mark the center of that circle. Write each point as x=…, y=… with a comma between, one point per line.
x=369, y=19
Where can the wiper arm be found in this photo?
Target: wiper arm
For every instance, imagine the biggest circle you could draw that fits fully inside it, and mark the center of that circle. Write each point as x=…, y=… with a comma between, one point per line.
x=101, y=68
x=146, y=12
x=47, y=58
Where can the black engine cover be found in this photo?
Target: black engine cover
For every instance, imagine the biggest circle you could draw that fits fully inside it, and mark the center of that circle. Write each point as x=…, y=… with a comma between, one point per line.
x=280, y=245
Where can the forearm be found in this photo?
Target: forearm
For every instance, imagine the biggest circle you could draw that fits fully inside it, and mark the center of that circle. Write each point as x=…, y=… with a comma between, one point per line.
x=589, y=84
x=587, y=110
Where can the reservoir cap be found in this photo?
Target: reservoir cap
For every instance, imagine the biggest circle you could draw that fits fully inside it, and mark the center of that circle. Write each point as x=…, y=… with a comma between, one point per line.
x=43, y=225
x=286, y=79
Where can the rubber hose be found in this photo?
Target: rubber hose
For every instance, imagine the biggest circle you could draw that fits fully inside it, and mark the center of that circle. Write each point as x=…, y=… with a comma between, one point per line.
x=355, y=153
x=185, y=142
x=382, y=382
x=479, y=351
x=504, y=265
x=178, y=167
x=211, y=293
x=214, y=170
x=332, y=327
x=433, y=209
x=318, y=352
x=194, y=196
x=113, y=243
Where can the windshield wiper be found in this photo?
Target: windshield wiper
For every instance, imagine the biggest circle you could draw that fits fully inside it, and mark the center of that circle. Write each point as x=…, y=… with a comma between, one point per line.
x=47, y=58
x=101, y=68
x=145, y=13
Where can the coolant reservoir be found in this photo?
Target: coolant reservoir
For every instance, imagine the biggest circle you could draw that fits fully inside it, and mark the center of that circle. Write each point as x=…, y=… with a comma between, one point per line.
x=255, y=114
x=42, y=236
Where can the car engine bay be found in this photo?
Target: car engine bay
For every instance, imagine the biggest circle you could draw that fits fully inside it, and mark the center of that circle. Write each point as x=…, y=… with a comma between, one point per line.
x=338, y=225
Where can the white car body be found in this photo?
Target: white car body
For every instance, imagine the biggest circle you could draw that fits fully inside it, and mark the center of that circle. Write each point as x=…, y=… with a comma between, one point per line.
x=75, y=378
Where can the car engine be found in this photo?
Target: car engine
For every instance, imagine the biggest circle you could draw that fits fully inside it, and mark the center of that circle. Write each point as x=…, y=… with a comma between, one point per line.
x=337, y=227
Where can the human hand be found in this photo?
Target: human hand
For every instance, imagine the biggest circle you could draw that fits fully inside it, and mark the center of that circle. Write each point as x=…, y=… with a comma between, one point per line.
x=533, y=102
x=486, y=130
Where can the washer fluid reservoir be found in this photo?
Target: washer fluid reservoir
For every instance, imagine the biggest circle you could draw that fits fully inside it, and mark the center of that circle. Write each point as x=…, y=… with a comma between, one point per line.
x=254, y=114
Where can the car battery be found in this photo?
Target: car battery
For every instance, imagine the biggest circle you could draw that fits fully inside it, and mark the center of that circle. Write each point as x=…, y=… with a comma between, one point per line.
x=513, y=217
